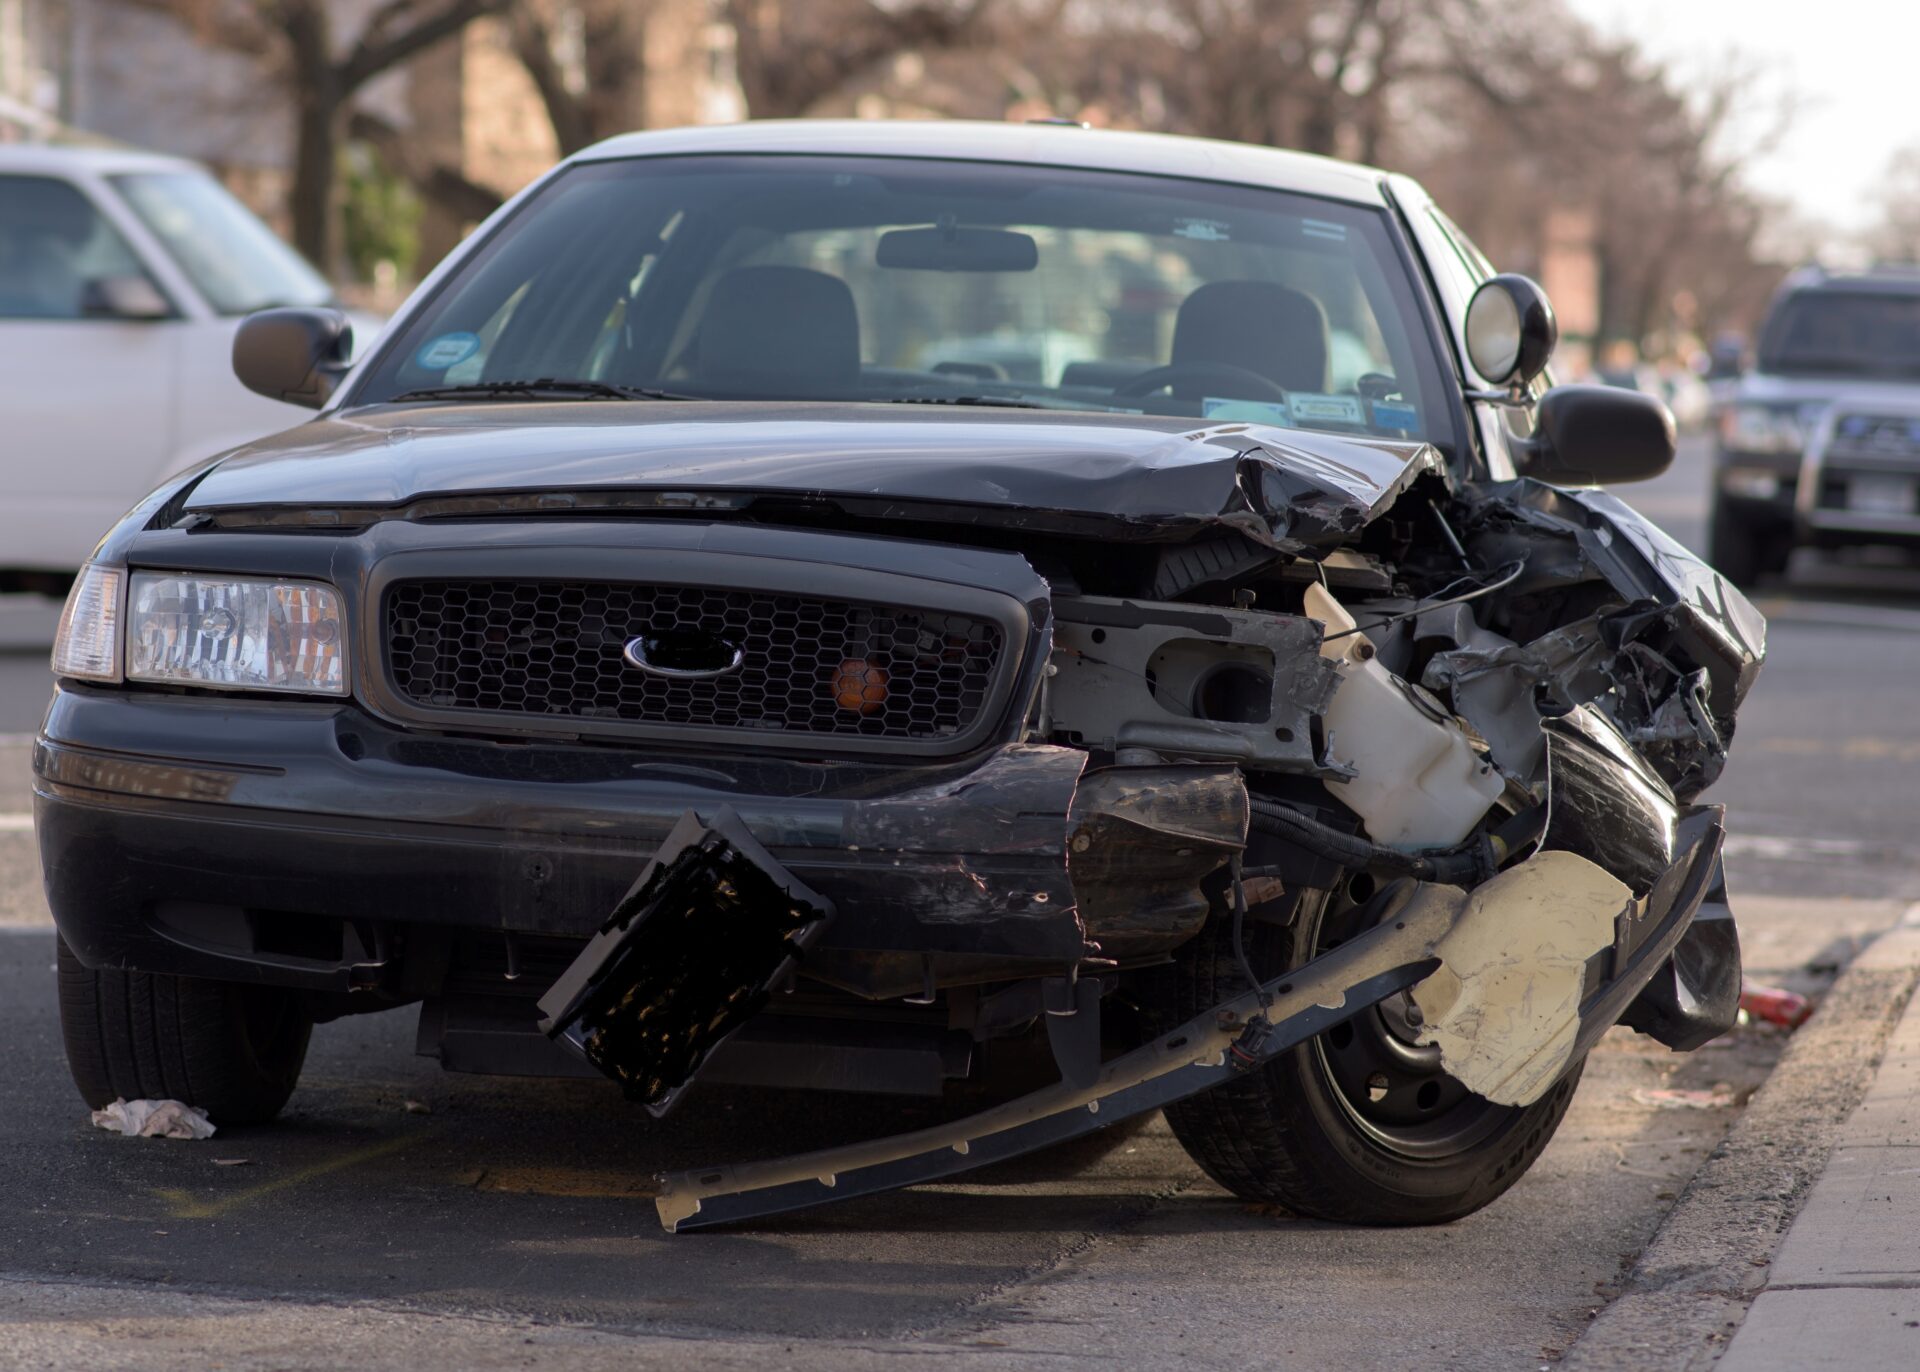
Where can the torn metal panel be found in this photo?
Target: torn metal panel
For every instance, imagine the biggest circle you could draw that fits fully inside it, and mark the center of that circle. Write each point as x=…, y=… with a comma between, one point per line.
x=1189, y=681
x=1504, y=1004
x=687, y=958
x=1685, y=646
x=1496, y=684
x=1142, y=839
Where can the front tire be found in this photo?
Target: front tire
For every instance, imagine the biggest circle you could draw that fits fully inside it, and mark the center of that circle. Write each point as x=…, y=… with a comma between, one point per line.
x=234, y=1051
x=1359, y=1125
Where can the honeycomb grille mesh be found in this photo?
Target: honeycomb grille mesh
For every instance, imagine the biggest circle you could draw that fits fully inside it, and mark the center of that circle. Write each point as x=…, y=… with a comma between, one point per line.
x=808, y=666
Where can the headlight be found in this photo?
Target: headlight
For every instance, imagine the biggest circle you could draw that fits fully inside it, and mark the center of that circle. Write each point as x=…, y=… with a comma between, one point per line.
x=1761, y=429
x=87, y=644
x=237, y=634
x=1755, y=483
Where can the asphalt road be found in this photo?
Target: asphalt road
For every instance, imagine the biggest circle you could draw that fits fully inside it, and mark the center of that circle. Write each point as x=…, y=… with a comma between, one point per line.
x=510, y=1225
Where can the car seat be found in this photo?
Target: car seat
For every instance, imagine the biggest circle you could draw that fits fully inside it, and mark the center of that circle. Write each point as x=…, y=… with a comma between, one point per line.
x=784, y=333
x=1262, y=326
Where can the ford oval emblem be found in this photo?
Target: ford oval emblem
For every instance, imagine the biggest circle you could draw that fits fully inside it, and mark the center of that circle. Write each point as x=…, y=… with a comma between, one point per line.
x=683, y=655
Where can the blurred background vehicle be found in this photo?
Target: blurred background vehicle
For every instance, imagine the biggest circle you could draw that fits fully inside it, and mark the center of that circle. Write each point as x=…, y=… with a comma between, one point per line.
x=123, y=276
x=1825, y=418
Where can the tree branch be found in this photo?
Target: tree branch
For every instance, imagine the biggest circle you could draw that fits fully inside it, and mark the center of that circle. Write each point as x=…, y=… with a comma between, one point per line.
x=369, y=58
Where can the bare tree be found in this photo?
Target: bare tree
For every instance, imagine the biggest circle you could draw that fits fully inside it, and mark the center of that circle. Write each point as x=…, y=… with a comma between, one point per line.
x=792, y=54
x=1896, y=238
x=587, y=58
x=299, y=42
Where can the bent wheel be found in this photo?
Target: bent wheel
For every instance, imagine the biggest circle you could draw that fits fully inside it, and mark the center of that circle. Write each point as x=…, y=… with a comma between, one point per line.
x=234, y=1051
x=1362, y=1124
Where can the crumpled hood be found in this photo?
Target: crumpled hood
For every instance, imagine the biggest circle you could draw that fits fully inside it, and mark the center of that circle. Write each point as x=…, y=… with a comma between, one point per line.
x=1121, y=476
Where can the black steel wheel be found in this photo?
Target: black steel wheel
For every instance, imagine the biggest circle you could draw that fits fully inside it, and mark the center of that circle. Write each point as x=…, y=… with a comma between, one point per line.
x=1362, y=1124
x=234, y=1051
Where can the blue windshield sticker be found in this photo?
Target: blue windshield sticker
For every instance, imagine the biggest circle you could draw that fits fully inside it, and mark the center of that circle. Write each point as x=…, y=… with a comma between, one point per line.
x=448, y=350
x=1392, y=414
x=1308, y=408
x=1247, y=411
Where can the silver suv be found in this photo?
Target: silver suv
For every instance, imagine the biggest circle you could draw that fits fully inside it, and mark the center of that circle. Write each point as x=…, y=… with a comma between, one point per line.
x=1821, y=444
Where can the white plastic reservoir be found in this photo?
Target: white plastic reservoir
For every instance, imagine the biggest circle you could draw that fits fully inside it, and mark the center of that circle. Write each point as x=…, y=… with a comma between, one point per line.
x=1418, y=781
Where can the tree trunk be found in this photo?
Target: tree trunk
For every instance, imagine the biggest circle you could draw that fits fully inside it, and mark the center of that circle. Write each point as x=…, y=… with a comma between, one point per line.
x=317, y=121
x=312, y=201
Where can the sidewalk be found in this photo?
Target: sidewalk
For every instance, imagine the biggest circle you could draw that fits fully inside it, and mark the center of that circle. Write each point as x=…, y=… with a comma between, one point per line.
x=1844, y=1289
x=1827, y=1154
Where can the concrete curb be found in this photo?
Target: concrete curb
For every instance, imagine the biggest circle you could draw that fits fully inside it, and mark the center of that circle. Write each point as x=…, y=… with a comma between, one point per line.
x=1692, y=1285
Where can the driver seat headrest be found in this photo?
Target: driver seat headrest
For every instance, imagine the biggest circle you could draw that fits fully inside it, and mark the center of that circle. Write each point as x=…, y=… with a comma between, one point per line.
x=784, y=332
x=1262, y=326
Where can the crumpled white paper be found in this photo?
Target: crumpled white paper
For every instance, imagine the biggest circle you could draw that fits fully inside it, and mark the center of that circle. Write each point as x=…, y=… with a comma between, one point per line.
x=154, y=1119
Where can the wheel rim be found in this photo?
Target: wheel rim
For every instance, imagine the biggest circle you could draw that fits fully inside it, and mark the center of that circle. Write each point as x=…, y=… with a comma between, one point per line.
x=1392, y=1089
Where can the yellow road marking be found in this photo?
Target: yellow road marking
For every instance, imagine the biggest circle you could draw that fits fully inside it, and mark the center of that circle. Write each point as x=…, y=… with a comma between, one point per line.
x=562, y=1181
x=1852, y=749
x=184, y=1205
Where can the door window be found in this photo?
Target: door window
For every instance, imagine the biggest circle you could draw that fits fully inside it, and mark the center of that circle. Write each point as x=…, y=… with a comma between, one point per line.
x=53, y=242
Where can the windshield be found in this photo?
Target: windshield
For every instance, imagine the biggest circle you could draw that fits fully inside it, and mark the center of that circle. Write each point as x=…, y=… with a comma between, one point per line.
x=234, y=259
x=906, y=281
x=1839, y=333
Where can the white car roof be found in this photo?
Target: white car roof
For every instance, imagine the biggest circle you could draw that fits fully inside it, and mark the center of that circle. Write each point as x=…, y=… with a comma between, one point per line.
x=64, y=160
x=1032, y=144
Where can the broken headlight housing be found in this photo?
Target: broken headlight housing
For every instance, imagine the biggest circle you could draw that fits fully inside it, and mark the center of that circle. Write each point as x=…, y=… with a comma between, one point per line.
x=236, y=633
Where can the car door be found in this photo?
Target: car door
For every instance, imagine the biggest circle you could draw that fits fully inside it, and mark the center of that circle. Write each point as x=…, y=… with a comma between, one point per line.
x=87, y=396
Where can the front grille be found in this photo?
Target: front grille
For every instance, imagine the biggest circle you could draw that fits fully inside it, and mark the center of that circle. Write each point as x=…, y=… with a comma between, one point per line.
x=808, y=666
x=1867, y=435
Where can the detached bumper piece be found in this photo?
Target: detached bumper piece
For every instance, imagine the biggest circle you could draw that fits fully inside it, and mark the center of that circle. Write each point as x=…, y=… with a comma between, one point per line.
x=1514, y=1022
x=688, y=956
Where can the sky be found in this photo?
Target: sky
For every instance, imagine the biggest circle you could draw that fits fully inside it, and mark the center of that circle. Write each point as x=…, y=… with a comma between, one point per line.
x=1853, y=66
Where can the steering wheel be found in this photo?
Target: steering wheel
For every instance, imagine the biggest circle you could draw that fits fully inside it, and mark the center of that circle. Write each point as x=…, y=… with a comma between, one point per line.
x=1246, y=384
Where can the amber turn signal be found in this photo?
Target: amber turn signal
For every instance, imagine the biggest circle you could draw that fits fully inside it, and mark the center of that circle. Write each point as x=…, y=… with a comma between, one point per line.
x=860, y=686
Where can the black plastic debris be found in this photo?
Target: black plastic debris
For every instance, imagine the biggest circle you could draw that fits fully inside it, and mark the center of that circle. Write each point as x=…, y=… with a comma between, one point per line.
x=689, y=955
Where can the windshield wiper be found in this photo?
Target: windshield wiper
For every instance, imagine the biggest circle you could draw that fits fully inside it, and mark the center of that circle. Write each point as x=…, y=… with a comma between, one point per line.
x=1005, y=401
x=545, y=388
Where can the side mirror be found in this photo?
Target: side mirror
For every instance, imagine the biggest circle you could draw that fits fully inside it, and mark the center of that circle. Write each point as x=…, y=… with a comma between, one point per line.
x=131, y=298
x=298, y=356
x=1591, y=435
x=1511, y=331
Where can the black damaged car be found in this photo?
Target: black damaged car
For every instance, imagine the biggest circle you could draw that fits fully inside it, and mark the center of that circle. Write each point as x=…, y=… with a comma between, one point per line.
x=867, y=607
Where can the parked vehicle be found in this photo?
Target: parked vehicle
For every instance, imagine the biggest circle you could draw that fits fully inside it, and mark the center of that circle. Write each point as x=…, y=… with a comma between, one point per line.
x=1816, y=446
x=123, y=276
x=652, y=661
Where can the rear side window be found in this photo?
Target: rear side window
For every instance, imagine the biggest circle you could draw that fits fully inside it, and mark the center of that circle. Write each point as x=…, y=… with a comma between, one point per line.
x=53, y=242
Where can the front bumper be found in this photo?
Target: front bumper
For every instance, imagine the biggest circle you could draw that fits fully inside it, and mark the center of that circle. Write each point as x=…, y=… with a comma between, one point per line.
x=303, y=843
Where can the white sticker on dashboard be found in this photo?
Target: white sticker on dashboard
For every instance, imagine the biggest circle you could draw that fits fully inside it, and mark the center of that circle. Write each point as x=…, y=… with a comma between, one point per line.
x=1309, y=408
x=1247, y=411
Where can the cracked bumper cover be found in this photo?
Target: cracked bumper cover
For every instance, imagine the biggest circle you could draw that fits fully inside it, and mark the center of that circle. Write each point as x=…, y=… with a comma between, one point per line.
x=153, y=811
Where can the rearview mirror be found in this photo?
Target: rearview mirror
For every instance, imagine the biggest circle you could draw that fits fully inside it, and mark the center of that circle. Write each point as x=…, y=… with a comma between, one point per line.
x=298, y=356
x=950, y=248
x=1592, y=435
x=132, y=298
x=1511, y=331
